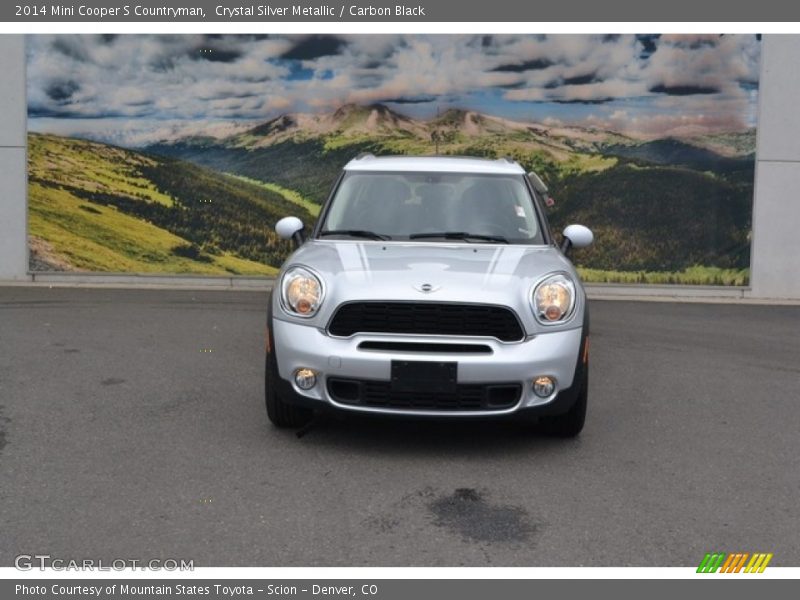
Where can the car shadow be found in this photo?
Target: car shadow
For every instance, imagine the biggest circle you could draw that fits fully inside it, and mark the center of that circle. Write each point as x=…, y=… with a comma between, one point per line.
x=418, y=437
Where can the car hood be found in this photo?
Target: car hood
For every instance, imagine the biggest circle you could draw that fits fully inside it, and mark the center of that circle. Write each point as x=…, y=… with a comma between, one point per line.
x=460, y=272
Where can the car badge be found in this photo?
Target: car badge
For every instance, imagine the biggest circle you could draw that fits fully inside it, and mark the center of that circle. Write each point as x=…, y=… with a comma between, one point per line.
x=427, y=288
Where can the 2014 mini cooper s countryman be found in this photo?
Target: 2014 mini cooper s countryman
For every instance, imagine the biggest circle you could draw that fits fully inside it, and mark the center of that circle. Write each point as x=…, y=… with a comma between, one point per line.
x=430, y=286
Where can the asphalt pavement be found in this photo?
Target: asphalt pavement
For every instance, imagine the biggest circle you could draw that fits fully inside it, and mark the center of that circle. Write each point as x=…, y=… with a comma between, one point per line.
x=132, y=426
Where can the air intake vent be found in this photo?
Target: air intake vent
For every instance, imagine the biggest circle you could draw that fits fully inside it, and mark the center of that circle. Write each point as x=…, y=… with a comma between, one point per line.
x=465, y=397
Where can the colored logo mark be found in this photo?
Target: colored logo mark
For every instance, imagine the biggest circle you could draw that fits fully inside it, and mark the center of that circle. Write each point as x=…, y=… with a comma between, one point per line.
x=735, y=562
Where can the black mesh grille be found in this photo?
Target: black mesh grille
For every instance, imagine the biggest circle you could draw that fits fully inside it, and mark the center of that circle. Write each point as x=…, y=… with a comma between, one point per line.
x=465, y=397
x=431, y=318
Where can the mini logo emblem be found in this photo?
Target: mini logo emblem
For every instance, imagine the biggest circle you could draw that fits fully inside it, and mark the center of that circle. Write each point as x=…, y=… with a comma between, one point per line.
x=426, y=288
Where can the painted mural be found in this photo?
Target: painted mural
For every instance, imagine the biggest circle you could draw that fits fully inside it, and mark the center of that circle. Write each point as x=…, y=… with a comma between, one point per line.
x=177, y=154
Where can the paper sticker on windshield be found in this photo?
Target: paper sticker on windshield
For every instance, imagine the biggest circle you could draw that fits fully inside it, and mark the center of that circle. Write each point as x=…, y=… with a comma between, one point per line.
x=520, y=211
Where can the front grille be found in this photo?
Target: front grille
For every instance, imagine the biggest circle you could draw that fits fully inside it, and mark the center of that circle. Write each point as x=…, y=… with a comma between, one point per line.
x=432, y=318
x=466, y=397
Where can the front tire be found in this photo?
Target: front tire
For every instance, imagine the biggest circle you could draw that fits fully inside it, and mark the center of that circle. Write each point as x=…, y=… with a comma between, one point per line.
x=281, y=413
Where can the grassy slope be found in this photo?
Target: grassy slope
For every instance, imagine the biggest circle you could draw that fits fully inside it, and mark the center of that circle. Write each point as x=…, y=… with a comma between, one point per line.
x=92, y=237
x=290, y=195
x=100, y=238
x=91, y=166
x=305, y=167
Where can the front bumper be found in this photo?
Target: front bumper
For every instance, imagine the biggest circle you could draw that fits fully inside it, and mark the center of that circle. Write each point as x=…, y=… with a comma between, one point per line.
x=555, y=354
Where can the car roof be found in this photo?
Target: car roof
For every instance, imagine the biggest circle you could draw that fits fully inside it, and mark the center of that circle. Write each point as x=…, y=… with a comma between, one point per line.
x=440, y=164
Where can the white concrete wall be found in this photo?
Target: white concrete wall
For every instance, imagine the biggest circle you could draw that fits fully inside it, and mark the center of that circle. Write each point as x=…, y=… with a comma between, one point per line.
x=13, y=125
x=775, y=258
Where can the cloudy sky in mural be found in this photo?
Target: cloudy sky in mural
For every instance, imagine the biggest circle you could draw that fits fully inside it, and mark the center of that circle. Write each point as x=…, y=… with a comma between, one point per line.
x=136, y=89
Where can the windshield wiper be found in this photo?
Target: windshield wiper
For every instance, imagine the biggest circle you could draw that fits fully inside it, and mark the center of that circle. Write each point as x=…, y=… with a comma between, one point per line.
x=459, y=235
x=362, y=233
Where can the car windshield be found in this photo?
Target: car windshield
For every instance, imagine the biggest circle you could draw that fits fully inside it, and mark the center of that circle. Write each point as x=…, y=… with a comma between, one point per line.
x=438, y=207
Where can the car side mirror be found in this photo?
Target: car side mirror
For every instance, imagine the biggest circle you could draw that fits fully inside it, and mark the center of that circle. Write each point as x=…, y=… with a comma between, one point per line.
x=290, y=228
x=576, y=236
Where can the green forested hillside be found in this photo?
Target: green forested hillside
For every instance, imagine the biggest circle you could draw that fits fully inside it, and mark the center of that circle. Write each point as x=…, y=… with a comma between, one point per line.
x=301, y=165
x=657, y=218
x=662, y=211
x=98, y=207
x=670, y=210
x=674, y=152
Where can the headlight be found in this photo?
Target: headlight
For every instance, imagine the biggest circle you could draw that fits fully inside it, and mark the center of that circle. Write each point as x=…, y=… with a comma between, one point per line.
x=553, y=299
x=301, y=292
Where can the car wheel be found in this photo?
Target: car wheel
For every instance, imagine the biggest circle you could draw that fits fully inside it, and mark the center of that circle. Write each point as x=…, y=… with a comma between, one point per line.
x=280, y=412
x=569, y=424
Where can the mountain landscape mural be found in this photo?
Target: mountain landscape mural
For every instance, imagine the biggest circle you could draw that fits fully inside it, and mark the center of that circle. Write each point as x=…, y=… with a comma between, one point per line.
x=179, y=153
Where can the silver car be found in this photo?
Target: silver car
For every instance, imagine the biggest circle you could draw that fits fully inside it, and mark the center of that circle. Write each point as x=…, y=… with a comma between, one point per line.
x=430, y=287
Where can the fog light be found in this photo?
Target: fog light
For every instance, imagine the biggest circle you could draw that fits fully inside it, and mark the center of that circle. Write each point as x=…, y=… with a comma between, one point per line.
x=543, y=386
x=305, y=379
